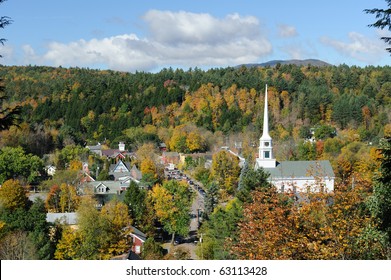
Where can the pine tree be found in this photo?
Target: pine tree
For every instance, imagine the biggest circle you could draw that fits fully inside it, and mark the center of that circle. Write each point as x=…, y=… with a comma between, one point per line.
x=380, y=202
x=8, y=115
x=211, y=198
x=384, y=20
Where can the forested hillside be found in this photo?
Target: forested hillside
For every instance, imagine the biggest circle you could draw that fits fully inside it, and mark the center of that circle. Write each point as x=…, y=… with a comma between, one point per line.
x=62, y=106
x=335, y=113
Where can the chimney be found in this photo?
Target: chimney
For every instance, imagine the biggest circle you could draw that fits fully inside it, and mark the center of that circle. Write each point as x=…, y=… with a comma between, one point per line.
x=121, y=146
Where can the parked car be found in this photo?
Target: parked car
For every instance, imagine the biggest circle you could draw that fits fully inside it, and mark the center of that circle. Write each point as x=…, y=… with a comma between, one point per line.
x=178, y=240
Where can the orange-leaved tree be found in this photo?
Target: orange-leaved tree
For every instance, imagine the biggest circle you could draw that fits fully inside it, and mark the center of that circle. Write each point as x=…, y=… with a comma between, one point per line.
x=317, y=226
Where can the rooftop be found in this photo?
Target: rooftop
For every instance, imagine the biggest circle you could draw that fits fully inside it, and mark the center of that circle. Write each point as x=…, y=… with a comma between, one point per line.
x=301, y=169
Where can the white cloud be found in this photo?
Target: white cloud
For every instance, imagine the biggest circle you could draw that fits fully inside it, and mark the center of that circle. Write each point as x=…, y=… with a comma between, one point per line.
x=299, y=49
x=123, y=52
x=175, y=38
x=7, y=53
x=359, y=47
x=191, y=28
x=287, y=31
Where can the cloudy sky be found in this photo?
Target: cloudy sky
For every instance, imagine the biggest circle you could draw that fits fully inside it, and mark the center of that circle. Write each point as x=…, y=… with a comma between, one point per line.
x=149, y=35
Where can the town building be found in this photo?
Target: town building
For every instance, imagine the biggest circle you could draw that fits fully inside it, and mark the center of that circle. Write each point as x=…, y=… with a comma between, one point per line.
x=118, y=154
x=296, y=176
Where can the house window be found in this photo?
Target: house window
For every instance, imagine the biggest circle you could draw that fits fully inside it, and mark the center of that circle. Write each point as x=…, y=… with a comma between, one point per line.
x=266, y=154
x=282, y=188
x=137, y=249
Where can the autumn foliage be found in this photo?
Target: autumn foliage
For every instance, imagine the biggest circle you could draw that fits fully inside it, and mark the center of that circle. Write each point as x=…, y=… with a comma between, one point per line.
x=317, y=226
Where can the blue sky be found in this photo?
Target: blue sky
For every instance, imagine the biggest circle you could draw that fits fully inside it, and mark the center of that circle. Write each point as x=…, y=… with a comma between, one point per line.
x=147, y=35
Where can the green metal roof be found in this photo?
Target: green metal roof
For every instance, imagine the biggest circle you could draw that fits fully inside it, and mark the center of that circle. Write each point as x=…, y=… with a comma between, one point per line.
x=301, y=169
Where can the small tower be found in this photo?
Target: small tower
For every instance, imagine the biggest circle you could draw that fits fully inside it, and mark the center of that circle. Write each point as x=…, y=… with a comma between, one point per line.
x=265, y=154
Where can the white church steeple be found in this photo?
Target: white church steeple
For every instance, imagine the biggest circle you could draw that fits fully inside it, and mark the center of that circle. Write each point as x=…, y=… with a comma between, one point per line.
x=265, y=154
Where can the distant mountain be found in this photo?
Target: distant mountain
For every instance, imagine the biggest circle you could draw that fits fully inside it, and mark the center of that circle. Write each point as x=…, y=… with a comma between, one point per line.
x=298, y=62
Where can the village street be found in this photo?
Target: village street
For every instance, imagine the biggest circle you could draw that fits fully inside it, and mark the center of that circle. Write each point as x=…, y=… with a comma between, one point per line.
x=198, y=206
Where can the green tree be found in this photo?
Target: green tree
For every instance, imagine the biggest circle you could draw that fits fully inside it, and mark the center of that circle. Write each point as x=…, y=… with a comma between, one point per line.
x=103, y=175
x=9, y=115
x=306, y=150
x=324, y=131
x=70, y=153
x=24, y=224
x=91, y=230
x=4, y=21
x=39, y=231
x=219, y=232
x=383, y=17
x=135, y=199
x=202, y=174
x=251, y=180
x=69, y=177
x=380, y=201
x=211, y=198
x=15, y=163
x=172, y=206
x=225, y=171
x=151, y=250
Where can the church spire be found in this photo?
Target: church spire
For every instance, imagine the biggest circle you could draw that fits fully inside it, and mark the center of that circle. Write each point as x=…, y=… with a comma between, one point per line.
x=265, y=155
x=265, y=133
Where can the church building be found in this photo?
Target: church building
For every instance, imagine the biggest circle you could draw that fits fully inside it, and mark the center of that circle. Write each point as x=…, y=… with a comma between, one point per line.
x=296, y=176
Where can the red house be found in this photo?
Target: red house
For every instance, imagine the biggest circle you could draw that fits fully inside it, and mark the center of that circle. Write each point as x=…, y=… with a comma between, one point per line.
x=138, y=240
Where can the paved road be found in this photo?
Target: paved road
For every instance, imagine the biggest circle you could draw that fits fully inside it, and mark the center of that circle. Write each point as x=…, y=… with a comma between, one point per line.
x=196, y=207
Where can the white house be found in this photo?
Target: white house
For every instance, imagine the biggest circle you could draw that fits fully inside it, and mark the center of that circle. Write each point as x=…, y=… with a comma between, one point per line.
x=50, y=170
x=297, y=176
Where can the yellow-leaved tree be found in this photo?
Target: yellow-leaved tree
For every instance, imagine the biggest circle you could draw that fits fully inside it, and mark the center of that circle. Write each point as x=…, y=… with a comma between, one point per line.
x=172, y=205
x=225, y=171
x=13, y=195
x=99, y=235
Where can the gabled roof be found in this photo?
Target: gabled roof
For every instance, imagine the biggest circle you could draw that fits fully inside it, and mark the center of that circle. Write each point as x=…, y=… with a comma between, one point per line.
x=110, y=187
x=301, y=169
x=113, y=153
x=139, y=234
x=120, y=166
